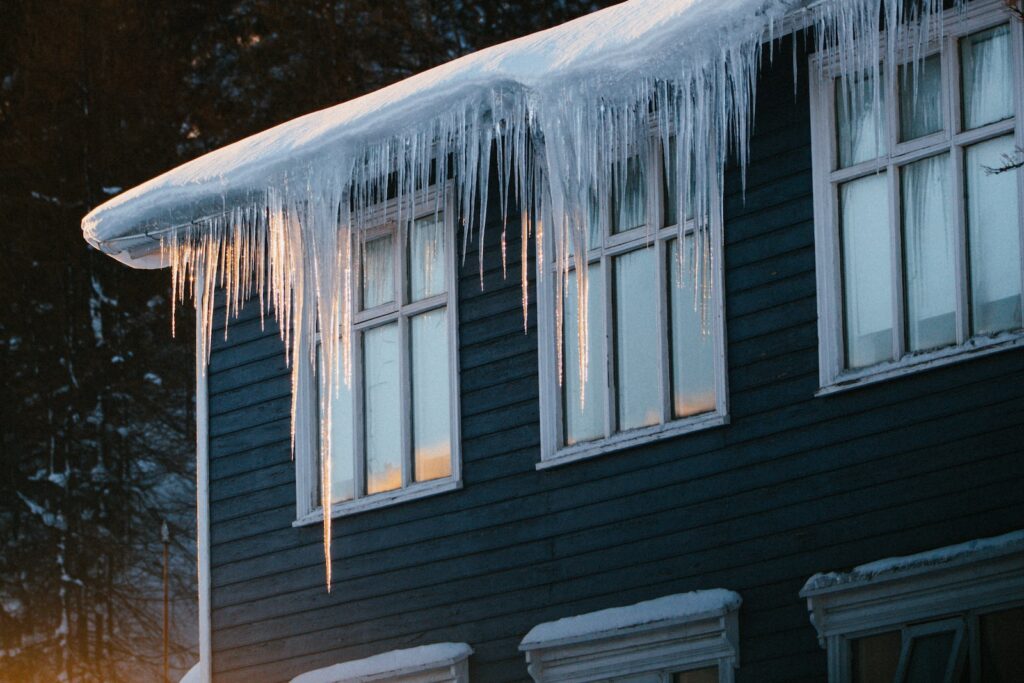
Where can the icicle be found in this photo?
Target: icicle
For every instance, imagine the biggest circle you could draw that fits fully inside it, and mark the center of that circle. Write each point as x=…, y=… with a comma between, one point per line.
x=561, y=146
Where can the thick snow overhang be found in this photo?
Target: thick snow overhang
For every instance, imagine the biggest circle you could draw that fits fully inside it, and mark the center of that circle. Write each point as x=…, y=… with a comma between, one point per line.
x=610, y=50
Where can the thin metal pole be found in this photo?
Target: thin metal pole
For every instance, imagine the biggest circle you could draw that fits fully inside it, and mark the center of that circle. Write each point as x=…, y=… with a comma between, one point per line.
x=165, y=537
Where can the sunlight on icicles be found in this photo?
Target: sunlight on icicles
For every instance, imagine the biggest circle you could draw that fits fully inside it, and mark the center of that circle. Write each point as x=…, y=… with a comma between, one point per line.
x=293, y=244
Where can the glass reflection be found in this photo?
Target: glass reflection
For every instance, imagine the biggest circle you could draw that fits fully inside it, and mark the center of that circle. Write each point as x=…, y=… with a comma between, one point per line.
x=670, y=187
x=383, y=437
x=993, y=235
x=431, y=436
x=630, y=204
x=861, y=126
x=638, y=380
x=426, y=257
x=378, y=272
x=929, y=254
x=584, y=422
x=693, y=359
x=875, y=658
x=867, y=287
x=986, y=76
x=921, y=98
x=342, y=455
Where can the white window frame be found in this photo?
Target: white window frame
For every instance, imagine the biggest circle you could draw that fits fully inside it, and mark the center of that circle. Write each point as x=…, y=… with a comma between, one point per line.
x=646, y=648
x=553, y=452
x=307, y=466
x=923, y=595
x=833, y=376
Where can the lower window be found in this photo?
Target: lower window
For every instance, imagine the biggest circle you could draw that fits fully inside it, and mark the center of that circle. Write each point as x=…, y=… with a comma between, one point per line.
x=948, y=615
x=976, y=648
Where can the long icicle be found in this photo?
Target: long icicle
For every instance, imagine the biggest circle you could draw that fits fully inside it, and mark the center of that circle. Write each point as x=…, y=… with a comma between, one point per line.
x=295, y=242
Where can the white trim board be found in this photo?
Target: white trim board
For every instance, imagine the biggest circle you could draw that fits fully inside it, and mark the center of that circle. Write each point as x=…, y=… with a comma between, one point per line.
x=203, y=492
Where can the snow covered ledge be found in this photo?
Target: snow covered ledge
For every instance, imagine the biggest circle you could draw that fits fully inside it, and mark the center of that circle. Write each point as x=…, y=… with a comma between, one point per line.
x=437, y=663
x=978, y=574
x=658, y=637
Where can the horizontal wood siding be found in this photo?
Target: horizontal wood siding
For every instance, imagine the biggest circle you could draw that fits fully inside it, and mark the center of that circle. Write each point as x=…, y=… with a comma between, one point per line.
x=793, y=485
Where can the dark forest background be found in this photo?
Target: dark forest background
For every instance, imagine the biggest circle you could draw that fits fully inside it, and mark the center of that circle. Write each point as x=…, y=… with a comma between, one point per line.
x=96, y=415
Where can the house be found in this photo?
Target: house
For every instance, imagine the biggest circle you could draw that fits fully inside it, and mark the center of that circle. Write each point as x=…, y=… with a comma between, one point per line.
x=770, y=432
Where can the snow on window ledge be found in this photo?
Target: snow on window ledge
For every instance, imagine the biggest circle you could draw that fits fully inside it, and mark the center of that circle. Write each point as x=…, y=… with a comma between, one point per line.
x=978, y=574
x=440, y=662
x=664, y=635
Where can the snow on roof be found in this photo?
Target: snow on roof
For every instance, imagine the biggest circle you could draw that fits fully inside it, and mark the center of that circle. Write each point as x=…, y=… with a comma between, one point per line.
x=892, y=567
x=389, y=665
x=648, y=37
x=609, y=622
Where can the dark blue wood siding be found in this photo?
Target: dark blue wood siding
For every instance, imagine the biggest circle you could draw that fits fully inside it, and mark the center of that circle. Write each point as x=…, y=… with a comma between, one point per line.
x=795, y=484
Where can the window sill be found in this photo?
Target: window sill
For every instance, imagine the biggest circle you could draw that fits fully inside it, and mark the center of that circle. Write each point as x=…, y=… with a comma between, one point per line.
x=634, y=437
x=381, y=500
x=974, y=348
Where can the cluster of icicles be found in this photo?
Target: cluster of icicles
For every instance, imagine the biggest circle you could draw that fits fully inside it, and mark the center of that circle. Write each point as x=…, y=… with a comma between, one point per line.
x=295, y=245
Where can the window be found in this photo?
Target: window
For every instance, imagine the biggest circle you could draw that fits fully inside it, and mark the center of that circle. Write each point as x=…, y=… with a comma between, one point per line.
x=655, y=345
x=395, y=432
x=684, y=638
x=952, y=615
x=918, y=245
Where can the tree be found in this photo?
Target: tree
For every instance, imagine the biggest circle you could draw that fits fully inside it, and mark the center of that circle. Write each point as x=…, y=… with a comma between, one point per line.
x=97, y=445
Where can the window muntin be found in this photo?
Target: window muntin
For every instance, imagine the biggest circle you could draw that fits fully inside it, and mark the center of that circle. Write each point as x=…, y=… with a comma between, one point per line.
x=913, y=232
x=394, y=427
x=656, y=363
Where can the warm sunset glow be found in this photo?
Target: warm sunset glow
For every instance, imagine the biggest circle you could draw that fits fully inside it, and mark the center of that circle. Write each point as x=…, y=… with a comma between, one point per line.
x=388, y=480
x=693, y=404
x=433, y=462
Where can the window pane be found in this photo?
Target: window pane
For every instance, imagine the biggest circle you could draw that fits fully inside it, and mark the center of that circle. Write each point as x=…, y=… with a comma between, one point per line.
x=929, y=658
x=670, y=187
x=861, y=128
x=342, y=456
x=431, y=421
x=986, y=71
x=1002, y=657
x=921, y=98
x=867, y=286
x=585, y=422
x=693, y=347
x=707, y=675
x=383, y=409
x=929, y=254
x=426, y=257
x=378, y=272
x=638, y=377
x=994, y=239
x=875, y=658
x=630, y=205
x=594, y=222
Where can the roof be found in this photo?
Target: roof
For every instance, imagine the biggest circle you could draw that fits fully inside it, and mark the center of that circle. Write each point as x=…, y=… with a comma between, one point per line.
x=609, y=50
